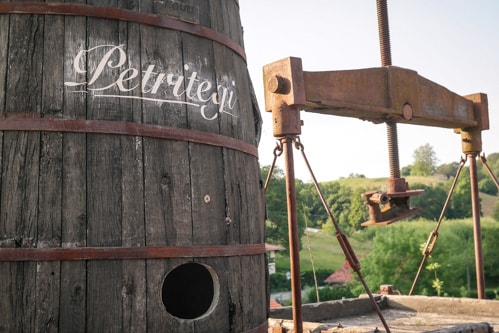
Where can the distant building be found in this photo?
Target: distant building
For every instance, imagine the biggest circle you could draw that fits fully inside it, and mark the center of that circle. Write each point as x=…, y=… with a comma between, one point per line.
x=271, y=250
x=274, y=304
x=341, y=276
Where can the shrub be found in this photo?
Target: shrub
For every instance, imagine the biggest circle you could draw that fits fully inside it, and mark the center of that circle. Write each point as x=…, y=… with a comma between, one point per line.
x=279, y=282
x=328, y=293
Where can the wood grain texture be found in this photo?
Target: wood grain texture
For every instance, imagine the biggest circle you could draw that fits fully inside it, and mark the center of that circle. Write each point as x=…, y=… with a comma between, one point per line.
x=60, y=189
x=49, y=222
x=73, y=292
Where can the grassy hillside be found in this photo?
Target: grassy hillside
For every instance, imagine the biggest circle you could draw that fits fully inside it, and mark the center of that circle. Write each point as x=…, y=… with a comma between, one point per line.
x=487, y=201
x=324, y=248
x=325, y=251
x=380, y=183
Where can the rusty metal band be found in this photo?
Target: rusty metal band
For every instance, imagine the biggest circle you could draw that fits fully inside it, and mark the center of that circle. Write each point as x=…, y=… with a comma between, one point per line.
x=263, y=328
x=128, y=253
x=55, y=8
x=125, y=128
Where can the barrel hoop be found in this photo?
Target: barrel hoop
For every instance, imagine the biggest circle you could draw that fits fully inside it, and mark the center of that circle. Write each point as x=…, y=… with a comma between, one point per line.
x=263, y=328
x=55, y=8
x=125, y=128
x=131, y=252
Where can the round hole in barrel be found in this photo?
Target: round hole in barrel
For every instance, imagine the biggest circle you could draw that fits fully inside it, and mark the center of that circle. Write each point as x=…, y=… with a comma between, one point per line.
x=190, y=291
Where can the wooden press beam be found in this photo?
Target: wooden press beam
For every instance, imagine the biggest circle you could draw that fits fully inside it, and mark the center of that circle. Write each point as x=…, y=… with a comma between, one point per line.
x=374, y=94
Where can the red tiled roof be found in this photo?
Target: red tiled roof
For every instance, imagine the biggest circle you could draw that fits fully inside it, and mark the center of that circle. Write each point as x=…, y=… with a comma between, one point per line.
x=272, y=247
x=274, y=304
x=342, y=275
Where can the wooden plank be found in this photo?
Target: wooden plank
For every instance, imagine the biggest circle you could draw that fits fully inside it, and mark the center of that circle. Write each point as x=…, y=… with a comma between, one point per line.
x=72, y=315
x=8, y=321
x=104, y=185
x=134, y=295
x=49, y=231
x=74, y=217
x=244, y=192
x=166, y=174
x=19, y=191
x=50, y=194
x=4, y=38
x=168, y=185
x=207, y=175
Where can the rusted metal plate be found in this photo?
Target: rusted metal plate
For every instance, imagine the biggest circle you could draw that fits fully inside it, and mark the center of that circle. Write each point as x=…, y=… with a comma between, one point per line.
x=380, y=94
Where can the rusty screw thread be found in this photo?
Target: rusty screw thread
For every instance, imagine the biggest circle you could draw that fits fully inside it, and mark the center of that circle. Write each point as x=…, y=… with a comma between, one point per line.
x=384, y=33
x=386, y=60
x=393, y=150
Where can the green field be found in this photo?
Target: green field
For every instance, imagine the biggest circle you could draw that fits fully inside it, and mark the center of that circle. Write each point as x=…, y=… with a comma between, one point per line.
x=325, y=252
x=380, y=183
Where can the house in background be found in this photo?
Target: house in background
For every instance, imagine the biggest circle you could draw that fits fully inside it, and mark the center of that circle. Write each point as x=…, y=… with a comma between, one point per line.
x=341, y=276
x=271, y=250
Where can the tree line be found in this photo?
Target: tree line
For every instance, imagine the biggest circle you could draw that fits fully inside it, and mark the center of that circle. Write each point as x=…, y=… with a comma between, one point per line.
x=348, y=206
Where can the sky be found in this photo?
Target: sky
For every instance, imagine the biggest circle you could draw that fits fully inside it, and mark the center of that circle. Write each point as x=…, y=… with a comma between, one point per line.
x=450, y=42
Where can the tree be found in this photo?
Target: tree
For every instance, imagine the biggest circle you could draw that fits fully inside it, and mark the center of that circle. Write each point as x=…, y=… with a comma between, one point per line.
x=493, y=163
x=425, y=161
x=448, y=169
x=487, y=185
x=460, y=205
x=276, y=224
x=397, y=254
x=406, y=171
x=432, y=200
x=358, y=210
x=394, y=258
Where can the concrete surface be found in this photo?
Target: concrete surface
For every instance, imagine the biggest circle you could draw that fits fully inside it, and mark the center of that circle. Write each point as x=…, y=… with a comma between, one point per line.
x=402, y=313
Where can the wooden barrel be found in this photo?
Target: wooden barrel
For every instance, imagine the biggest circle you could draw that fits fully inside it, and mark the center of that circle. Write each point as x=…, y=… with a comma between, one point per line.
x=130, y=190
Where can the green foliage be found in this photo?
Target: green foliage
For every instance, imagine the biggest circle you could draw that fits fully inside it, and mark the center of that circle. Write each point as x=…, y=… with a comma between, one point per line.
x=436, y=284
x=432, y=200
x=279, y=282
x=345, y=205
x=328, y=293
x=397, y=254
x=276, y=224
x=487, y=185
x=460, y=206
x=485, y=182
x=358, y=212
x=307, y=277
x=490, y=237
x=425, y=160
x=493, y=162
x=393, y=259
x=406, y=170
x=449, y=169
x=495, y=213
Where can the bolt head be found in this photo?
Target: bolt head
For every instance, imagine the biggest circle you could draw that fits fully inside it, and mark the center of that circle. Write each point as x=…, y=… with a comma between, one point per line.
x=407, y=111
